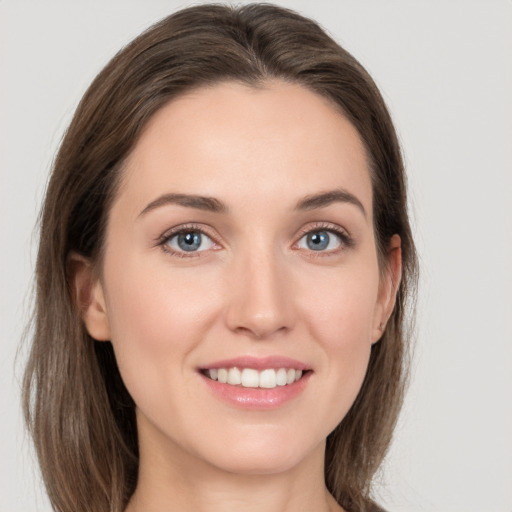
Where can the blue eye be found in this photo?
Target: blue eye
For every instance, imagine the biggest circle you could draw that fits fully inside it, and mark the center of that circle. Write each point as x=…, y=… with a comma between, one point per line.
x=320, y=241
x=190, y=241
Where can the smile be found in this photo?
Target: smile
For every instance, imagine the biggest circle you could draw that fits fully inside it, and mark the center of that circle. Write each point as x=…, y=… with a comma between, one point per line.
x=257, y=383
x=267, y=378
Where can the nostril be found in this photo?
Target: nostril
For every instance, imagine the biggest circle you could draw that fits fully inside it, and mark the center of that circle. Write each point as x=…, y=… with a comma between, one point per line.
x=260, y=331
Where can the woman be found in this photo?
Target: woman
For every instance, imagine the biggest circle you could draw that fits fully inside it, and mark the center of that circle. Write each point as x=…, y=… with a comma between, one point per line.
x=222, y=277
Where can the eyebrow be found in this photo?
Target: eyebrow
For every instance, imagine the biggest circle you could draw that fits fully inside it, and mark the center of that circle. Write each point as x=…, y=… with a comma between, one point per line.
x=209, y=204
x=324, y=199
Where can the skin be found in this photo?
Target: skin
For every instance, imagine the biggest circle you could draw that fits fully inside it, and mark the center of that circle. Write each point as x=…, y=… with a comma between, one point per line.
x=256, y=289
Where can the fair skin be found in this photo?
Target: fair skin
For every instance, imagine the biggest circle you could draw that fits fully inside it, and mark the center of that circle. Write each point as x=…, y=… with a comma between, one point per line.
x=277, y=266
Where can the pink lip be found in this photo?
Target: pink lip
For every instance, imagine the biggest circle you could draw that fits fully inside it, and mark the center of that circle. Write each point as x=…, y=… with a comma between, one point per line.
x=258, y=363
x=257, y=398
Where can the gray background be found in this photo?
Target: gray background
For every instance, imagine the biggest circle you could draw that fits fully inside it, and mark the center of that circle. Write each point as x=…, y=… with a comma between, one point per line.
x=445, y=69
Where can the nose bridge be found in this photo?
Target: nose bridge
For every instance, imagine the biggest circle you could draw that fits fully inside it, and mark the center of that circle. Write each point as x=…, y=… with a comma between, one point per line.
x=260, y=302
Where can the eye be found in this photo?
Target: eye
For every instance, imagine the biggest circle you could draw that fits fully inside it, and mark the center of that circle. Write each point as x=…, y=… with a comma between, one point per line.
x=189, y=241
x=320, y=240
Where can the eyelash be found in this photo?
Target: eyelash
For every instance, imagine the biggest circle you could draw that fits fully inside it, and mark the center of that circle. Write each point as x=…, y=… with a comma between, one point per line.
x=186, y=228
x=346, y=240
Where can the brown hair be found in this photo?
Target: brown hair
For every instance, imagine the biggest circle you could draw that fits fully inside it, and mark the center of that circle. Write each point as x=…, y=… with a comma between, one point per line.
x=78, y=411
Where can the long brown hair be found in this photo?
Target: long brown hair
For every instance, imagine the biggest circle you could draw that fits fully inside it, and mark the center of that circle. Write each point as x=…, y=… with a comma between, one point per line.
x=77, y=409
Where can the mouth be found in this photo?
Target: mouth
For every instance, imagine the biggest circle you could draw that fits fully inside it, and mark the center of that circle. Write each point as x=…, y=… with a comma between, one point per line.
x=267, y=378
x=257, y=383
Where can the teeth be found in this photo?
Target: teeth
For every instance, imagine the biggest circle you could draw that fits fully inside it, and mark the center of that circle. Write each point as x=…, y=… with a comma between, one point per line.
x=234, y=376
x=268, y=379
x=250, y=378
x=222, y=375
x=281, y=377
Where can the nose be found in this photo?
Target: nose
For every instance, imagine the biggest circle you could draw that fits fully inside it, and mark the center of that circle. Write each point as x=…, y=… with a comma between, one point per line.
x=260, y=301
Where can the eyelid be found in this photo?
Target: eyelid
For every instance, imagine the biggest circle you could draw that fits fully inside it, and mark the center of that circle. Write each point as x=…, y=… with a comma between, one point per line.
x=345, y=237
x=184, y=228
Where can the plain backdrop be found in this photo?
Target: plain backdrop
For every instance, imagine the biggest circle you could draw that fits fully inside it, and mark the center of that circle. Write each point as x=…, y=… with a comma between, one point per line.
x=445, y=69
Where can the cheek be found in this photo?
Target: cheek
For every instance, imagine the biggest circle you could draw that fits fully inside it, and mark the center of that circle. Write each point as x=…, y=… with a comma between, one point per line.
x=340, y=319
x=156, y=306
x=340, y=307
x=156, y=318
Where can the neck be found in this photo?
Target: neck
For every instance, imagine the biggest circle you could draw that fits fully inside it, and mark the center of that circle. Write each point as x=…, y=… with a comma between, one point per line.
x=181, y=482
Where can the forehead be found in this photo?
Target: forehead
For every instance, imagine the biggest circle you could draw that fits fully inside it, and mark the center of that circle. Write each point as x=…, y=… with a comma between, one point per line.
x=238, y=142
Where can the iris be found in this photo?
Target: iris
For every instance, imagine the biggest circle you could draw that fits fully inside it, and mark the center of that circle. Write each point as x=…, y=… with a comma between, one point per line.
x=318, y=241
x=190, y=241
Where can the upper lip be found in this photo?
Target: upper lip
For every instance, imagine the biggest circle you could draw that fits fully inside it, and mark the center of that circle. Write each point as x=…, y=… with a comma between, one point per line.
x=258, y=363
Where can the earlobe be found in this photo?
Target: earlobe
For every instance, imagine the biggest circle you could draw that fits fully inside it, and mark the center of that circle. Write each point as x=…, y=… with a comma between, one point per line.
x=388, y=287
x=88, y=296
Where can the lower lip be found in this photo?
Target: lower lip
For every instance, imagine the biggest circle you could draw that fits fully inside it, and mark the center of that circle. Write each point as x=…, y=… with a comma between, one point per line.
x=257, y=398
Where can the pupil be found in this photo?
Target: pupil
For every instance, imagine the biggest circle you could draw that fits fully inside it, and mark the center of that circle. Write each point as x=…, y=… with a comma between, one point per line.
x=318, y=241
x=189, y=241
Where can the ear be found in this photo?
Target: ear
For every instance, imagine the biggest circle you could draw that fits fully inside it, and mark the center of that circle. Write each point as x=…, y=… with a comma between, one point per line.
x=388, y=287
x=88, y=295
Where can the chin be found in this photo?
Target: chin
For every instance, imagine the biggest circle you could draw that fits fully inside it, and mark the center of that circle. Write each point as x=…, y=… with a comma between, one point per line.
x=265, y=456
x=250, y=464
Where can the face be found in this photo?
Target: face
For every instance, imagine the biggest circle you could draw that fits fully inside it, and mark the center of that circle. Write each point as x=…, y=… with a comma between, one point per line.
x=240, y=285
